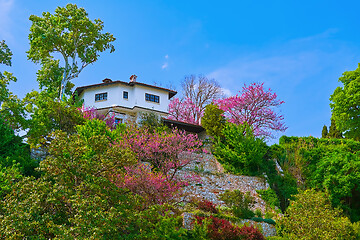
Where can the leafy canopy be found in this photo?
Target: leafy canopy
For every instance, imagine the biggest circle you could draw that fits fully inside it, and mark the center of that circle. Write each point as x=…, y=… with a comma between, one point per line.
x=72, y=35
x=12, y=108
x=345, y=104
x=310, y=216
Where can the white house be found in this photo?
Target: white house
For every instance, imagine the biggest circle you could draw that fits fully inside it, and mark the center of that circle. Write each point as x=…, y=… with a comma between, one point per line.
x=125, y=100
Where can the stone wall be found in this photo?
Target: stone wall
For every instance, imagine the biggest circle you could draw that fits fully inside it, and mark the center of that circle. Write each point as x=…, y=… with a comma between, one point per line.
x=213, y=181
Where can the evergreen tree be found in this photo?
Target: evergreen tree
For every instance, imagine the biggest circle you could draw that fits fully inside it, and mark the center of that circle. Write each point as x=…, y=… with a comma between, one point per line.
x=324, y=133
x=334, y=131
x=213, y=120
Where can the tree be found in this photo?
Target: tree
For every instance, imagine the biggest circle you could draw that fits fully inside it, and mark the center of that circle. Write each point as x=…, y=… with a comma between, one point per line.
x=338, y=173
x=184, y=110
x=255, y=106
x=167, y=152
x=239, y=150
x=333, y=130
x=72, y=35
x=48, y=116
x=14, y=152
x=345, y=104
x=213, y=120
x=324, y=132
x=310, y=216
x=12, y=108
x=201, y=91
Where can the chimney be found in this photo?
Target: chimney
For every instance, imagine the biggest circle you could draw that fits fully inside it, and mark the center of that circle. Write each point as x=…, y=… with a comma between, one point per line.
x=107, y=80
x=133, y=78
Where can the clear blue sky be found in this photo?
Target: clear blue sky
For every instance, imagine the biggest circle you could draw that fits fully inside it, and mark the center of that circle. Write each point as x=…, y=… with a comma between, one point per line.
x=297, y=48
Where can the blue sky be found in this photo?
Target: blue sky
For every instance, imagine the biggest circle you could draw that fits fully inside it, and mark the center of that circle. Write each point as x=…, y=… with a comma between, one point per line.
x=297, y=48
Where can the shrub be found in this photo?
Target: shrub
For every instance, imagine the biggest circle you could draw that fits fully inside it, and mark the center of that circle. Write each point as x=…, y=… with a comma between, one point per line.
x=240, y=151
x=258, y=212
x=151, y=120
x=213, y=120
x=331, y=165
x=239, y=202
x=310, y=216
x=251, y=233
x=221, y=229
x=13, y=151
x=266, y=220
x=270, y=197
x=207, y=206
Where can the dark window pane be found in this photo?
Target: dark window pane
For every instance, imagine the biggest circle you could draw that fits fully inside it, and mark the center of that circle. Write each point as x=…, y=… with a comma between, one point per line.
x=152, y=98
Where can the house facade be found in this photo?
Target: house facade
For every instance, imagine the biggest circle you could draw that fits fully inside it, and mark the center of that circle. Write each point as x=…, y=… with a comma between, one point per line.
x=126, y=100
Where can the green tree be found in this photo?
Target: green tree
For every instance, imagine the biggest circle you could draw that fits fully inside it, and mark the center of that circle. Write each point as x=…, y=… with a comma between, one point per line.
x=239, y=150
x=13, y=150
x=72, y=35
x=324, y=132
x=12, y=108
x=213, y=120
x=338, y=173
x=333, y=130
x=75, y=196
x=48, y=115
x=310, y=216
x=345, y=104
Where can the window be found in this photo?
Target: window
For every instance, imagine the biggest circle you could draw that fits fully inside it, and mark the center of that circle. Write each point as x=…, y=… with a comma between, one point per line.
x=152, y=98
x=100, y=96
x=125, y=95
x=118, y=120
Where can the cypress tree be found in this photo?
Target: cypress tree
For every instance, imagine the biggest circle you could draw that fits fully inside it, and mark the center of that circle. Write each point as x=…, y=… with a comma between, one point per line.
x=324, y=133
x=333, y=131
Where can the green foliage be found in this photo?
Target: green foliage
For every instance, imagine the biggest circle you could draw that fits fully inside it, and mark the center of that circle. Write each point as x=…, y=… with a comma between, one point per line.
x=70, y=33
x=48, y=115
x=75, y=197
x=5, y=54
x=8, y=177
x=161, y=226
x=324, y=132
x=331, y=165
x=12, y=108
x=339, y=174
x=13, y=150
x=270, y=197
x=310, y=216
x=283, y=183
x=151, y=121
x=199, y=231
x=345, y=104
x=266, y=220
x=213, y=120
x=239, y=202
x=258, y=213
x=87, y=157
x=240, y=151
x=334, y=131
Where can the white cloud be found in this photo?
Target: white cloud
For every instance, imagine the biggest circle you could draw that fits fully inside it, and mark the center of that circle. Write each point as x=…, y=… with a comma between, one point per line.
x=5, y=21
x=165, y=65
x=226, y=92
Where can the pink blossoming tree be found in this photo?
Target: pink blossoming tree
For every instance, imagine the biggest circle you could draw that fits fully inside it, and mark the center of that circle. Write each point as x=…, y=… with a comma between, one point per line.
x=255, y=106
x=167, y=152
x=92, y=113
x=185, y=111
x=153, y=186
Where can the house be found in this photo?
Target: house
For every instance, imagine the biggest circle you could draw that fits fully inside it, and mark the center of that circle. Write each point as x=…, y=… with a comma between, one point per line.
x=126, y=100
